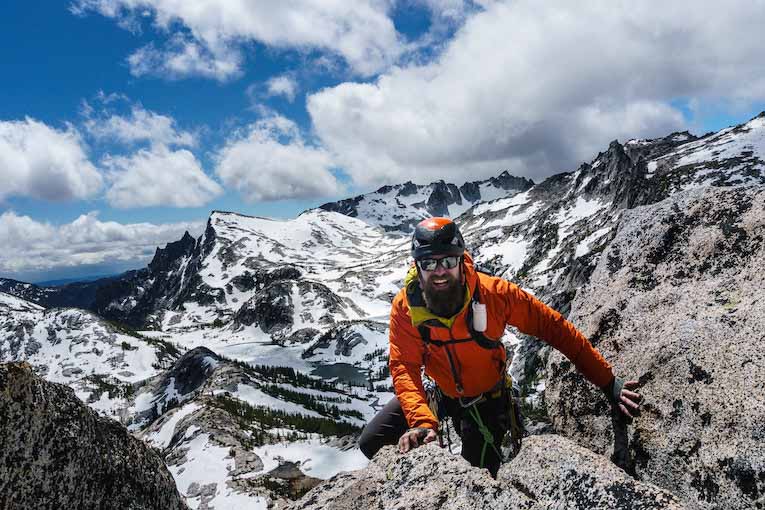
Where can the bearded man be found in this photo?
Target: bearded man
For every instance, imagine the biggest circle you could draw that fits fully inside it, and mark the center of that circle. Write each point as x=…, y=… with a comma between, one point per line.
x=448, y=320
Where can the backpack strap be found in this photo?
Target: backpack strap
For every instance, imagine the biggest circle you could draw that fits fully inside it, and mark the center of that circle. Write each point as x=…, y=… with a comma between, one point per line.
x=425, y=335
x=481, y=339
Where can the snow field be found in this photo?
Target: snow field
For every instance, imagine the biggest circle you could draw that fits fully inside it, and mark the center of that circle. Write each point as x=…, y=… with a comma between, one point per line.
x=208, y=463
x=315, y=458
x=161, y=438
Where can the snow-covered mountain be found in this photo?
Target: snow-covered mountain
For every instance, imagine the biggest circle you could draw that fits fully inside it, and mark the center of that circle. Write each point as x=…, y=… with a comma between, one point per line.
x=311, y=295
x=234, y=425
x=81, y=294
x=241, y=259
x=398, y=208
x=221, y=424
x=101, y=361
x=27, y=291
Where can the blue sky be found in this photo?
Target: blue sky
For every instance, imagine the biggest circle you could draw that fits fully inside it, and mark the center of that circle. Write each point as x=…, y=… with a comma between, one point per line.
x=125, y=122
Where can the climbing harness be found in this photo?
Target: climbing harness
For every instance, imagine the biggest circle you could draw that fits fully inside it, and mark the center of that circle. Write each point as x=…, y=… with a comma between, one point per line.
x=506, y=389
x=510, y=392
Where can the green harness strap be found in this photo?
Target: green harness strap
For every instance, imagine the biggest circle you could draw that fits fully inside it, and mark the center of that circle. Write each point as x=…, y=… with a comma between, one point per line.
x=488, y=438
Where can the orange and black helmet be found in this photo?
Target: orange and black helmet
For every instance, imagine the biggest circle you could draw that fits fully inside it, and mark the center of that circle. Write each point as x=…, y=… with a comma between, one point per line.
x=436, y=236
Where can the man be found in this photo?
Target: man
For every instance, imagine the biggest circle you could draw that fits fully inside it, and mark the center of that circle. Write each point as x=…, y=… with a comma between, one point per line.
x=448, y=319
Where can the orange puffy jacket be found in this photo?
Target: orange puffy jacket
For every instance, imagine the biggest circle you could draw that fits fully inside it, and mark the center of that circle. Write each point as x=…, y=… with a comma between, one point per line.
x=478, y=369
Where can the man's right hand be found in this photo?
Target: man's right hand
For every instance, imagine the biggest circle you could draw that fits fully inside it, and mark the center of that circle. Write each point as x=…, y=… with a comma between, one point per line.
x=624, y=400
x=413, y=438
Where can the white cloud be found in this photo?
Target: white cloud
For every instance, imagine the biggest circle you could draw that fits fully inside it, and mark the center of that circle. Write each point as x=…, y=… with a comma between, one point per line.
x=360, y=31
x=42, y=162
x=158, y=177
x=272, y=162
x=141, y=125
x=539, y=87
x=449, y=9
x=87, y=240
x=182, y=58
x=282, y=86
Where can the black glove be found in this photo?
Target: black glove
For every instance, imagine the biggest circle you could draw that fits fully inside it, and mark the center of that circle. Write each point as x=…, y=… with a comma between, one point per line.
x=621, y=456
x=613, y=392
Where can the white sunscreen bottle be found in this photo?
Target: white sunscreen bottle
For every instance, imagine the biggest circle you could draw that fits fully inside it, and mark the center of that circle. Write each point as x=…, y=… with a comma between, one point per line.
x=479, y=316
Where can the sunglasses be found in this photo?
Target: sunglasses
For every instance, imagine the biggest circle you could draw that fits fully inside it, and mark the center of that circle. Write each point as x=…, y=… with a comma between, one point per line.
x=432, y=264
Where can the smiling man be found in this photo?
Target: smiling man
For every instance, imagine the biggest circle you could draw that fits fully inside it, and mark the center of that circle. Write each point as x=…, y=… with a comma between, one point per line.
x=448, y=320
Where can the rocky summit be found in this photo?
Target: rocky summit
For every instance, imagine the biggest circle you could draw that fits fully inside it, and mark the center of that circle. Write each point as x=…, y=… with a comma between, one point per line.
x=252, y=356
x=550, y=472
x=55, y=452
x=400, y=207
x=676, y=303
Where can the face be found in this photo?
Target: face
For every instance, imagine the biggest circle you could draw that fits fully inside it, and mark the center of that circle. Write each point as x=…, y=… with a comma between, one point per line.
x=442, y=288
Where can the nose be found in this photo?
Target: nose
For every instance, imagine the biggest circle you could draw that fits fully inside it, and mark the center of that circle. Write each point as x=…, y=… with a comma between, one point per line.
x=440, y=269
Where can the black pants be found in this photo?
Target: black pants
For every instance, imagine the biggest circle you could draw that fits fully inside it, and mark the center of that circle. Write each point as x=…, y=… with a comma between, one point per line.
x=389, y=424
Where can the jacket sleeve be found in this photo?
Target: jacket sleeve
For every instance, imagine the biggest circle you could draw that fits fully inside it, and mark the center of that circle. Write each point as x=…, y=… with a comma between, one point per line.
x=533, y=317
x=406, y=356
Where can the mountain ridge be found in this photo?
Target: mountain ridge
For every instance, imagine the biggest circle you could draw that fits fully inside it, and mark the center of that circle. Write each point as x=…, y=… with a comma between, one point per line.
x=311, y=295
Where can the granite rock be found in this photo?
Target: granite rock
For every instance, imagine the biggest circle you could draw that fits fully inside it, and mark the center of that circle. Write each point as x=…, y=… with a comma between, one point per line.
x=676, y=303
x=55, y=452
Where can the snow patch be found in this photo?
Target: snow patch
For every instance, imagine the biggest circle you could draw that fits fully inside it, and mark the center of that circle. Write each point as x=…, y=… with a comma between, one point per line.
x=316, y=459
x=161, y=438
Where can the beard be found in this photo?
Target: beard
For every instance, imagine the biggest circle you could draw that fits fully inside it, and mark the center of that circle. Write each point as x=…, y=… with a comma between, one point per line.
x=444, y=302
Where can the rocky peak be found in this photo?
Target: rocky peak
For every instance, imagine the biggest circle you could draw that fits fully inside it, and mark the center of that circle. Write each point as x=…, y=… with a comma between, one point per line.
x=348, y=206
x=550, y=472
x=612, y=176
x=441, y=197
x=407, y=189
x=164, y=258
x=511, y=182
x=471, y=191
x=191, y=370
x=398, y=208
x=58, y=453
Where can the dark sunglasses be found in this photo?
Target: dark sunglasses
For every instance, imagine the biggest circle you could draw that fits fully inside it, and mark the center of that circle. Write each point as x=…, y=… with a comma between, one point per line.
x=432, y=264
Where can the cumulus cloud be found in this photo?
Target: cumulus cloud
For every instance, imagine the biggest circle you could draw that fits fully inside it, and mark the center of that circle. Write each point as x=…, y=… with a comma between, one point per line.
x=360, y=31
x=46, y=163
x=39, y=246
x=539, y=87
x=282, y=86
x=271, y=161
x=182, y=57
x=140, y=126
x=158, y=177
